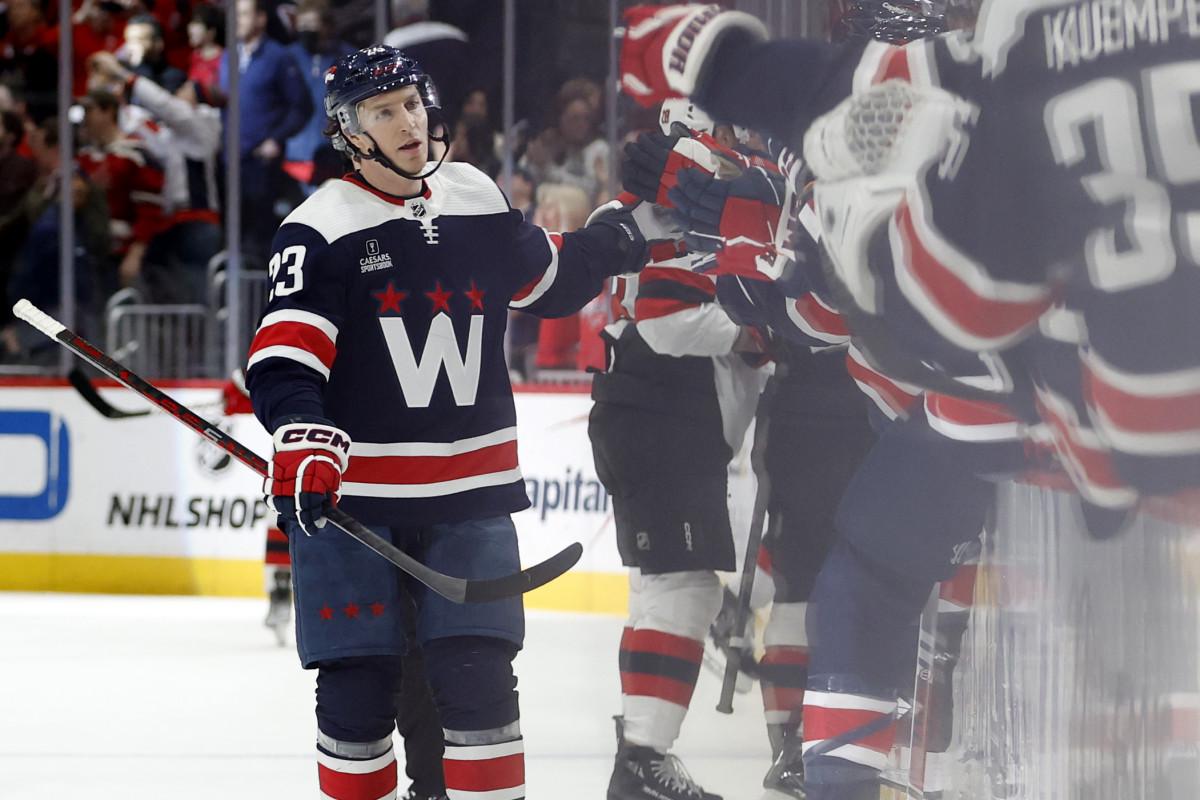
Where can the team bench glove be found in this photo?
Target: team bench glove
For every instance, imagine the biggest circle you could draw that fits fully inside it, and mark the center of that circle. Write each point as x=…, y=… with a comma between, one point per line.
x=744, y=222
x=665, y=49
x=653, y=161
x=646, y=231
x=306, y=471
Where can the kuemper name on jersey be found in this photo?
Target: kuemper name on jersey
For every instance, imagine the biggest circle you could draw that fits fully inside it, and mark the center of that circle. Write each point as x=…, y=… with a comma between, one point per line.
x=1085, y=31
x=375, y=262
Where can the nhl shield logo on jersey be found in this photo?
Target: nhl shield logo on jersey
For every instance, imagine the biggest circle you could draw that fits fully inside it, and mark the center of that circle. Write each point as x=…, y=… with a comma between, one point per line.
x=421, y=214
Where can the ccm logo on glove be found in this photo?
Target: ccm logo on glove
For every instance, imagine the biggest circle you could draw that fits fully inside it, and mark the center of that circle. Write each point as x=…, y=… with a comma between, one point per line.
x=318, y=434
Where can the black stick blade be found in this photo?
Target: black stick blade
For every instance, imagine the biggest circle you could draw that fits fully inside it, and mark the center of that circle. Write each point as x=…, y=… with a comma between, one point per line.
x=487, y=590
x=83, y=385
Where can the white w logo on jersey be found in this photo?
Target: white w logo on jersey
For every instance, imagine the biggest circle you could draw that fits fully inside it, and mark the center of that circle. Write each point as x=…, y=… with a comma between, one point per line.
x=417, y=378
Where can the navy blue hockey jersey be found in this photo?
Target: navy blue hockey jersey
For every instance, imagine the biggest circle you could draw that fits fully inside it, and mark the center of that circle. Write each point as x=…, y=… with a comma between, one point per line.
x=1065, y=235
x=387, y=316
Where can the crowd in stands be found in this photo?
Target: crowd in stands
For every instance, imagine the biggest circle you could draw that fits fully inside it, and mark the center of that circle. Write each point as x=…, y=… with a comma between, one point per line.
x=149, y=111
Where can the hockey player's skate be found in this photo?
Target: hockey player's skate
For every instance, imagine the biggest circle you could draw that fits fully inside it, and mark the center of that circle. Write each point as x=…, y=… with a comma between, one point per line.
x=717, y=644
x=785, y=778
x=643, y=773
x=279, y=612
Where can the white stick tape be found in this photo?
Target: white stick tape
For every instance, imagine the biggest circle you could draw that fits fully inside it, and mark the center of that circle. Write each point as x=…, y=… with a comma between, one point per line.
x=37, y=318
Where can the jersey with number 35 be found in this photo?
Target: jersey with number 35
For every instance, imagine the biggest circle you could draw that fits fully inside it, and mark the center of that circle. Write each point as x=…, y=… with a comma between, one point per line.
x=1068, y=220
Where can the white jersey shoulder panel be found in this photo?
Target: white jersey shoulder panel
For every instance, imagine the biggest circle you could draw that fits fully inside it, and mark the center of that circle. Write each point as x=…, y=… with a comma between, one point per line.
x=340, y=207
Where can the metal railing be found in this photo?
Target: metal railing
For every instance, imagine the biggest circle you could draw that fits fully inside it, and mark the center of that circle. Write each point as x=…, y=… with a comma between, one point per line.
x=160, y=341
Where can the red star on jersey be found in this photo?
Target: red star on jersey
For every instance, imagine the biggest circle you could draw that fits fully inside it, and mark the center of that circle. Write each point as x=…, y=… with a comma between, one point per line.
x=377, y=609
x=390, y=299
x=476, y=296
x=326, y=613
x=351, y=611
x=441, y=300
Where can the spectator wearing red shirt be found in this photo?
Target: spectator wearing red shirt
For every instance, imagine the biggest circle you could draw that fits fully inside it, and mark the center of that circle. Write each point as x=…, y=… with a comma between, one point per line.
x=205, y=33
x=132, y=181
x=99, y=25
x=27, y=58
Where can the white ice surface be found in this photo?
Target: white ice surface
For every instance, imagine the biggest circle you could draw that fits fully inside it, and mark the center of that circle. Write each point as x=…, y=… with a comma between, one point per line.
x=106, y=697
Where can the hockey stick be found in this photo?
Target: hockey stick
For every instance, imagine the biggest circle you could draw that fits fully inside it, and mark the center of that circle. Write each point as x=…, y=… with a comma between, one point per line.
x=83, y=385
x=762, y=493
x=459, y=590
x=87, y=391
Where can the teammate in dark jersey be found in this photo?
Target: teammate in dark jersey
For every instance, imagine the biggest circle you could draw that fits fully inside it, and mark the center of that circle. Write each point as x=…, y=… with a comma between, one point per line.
x=380, y=357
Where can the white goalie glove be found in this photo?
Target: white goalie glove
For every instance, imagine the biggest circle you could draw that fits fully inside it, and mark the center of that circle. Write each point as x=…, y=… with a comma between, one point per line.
x=866, y=154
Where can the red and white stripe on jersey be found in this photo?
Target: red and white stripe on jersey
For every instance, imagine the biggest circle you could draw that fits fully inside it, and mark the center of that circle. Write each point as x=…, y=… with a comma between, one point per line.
x=955, y=293
x=1084, y=455
x=672, y=289
x=835, y=715
x=818, y=320
x=536, y=288
x=301, y=336
x=486, y=771
x=346, y=779
x=432, y=469
x=971, y=420
x=892, y=397
x=1152, y=415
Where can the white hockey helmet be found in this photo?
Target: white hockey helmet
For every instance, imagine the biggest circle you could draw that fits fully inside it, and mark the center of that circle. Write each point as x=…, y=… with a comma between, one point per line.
x=681, y=109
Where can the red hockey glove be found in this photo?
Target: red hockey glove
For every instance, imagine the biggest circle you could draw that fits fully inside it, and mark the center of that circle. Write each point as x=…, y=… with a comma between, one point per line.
x=665, y=49
x=651, y=234
x=744, y=222
x=306, y=472
x=653, y=159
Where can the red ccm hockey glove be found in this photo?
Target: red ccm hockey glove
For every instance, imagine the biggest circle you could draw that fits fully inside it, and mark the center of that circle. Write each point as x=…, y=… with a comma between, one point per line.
x=306, y=471
x=665, y=49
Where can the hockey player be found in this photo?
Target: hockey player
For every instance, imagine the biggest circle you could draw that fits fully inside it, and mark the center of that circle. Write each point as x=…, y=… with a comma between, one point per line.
x=669, y=413
x=948, y=282
x=379, y=357
x=815, y=418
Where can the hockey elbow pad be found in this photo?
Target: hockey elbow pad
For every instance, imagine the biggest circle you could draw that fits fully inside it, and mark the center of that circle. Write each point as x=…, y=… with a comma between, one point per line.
x=666, y=49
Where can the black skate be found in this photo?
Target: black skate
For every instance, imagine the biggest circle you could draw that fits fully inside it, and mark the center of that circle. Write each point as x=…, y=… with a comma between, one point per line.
x=643, y=773
x=279, y=612
x=785, y=778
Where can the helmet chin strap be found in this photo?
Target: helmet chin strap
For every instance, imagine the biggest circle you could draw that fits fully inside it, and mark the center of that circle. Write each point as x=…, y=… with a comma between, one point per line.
x=376, y=155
